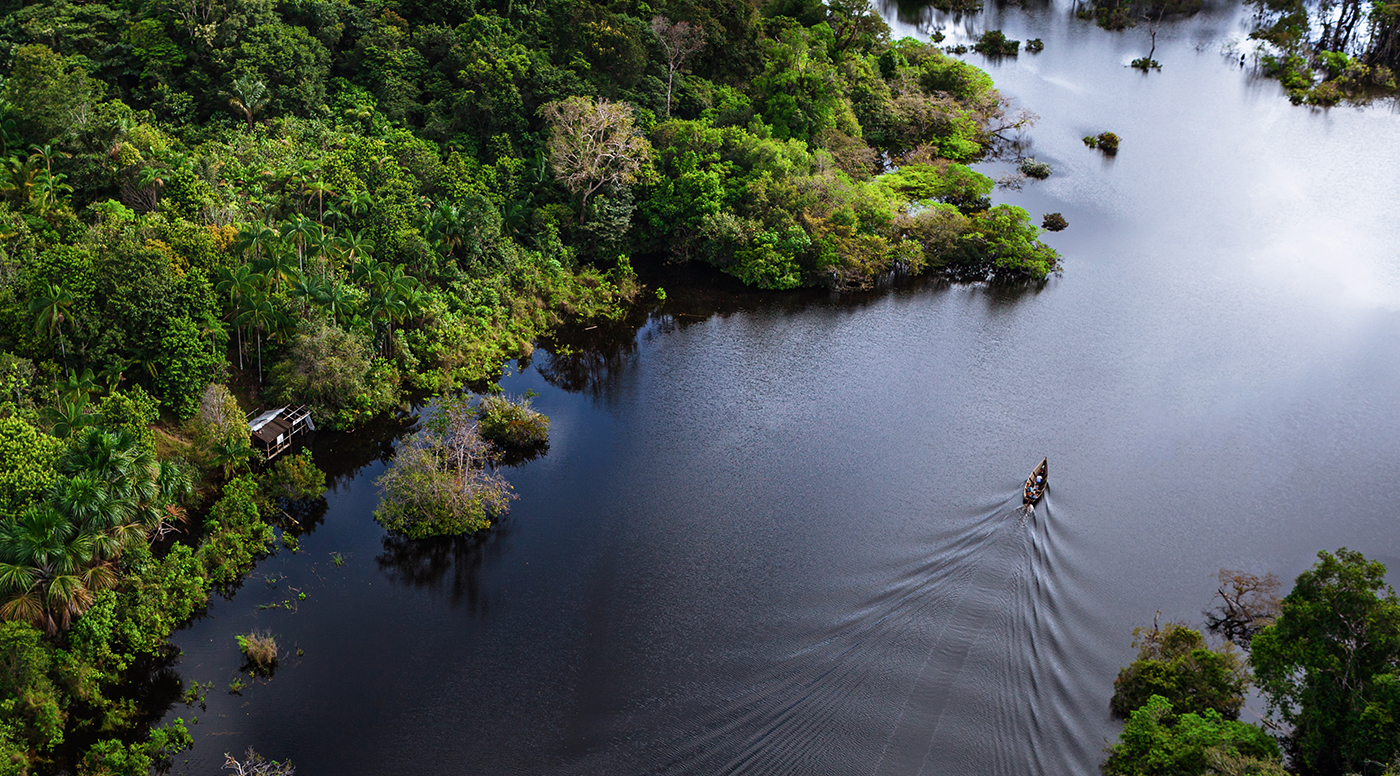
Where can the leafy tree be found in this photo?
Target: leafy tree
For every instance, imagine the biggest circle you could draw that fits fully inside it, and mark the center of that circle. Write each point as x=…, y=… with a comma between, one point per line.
x=679, y=42
x=1327, y=666
x=1156, y=741
x=1175, y=663
x=28, y=465
x=46, y=91
x=335, y=372
x=185, y=368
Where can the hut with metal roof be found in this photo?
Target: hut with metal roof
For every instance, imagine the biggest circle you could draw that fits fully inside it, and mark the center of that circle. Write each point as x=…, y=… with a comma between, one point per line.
x=273, y=431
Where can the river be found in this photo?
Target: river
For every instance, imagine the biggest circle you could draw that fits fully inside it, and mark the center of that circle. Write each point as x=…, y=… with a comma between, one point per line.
x=776, y=533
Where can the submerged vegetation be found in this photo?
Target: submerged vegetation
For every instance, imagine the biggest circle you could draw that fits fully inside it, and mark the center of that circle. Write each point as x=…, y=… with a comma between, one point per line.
x=440, y=482
x=511, y=424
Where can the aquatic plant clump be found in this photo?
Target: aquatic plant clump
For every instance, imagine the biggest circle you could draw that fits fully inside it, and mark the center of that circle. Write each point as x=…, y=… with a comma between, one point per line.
x=1146, y=63
x=994, y=43
x=1038, y=170
x=511, y=424
x=259, y=648
x=1035, y=45
x=1054, y=222
x=1104, y=141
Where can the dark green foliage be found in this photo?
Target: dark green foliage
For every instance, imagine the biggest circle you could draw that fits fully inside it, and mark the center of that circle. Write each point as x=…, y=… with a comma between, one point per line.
x=511, y=424
x=294, y=478
x=1054, y=222
x=1327, y=666
x=994, y=43
x=1175, y=663
x=1035, y=45
x=1159, y=740
x=1106, y=142
x=236, y=532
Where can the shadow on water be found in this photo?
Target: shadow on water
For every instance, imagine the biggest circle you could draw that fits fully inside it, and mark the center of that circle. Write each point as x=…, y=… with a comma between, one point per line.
x=592, y=360
x=984, y=623
x=448, y=565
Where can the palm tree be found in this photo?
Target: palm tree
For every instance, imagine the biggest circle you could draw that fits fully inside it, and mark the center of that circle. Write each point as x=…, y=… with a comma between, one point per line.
x=319, y=189
x=277, y=268
x=248, y=95
x=337, y=300
x=48, y=307
x=84, y=384
x=238, y=283
x=232, y=455
x=355, y=244
x=18, y=179
x=356, y=203
x=69, y=415
x=301, y=229
x=309, y=290
x=149, y=184
x=255, y=237
x=445, y=226
x=211, y=326
x=261, y=315
x=49, y=569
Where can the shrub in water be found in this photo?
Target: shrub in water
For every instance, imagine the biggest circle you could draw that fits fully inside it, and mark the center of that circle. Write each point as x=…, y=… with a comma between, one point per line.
x=1053, y=222
x=1037, y=170
x=1091, y=141
x=511, y=424
x=994, y=43
x=1108, y=142
x=1035, y=45
x=1146, y=63
x=438, y=484
x=259, y=648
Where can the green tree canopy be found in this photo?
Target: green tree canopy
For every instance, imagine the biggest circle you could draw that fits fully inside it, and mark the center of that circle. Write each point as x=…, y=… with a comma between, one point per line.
x=1328, y=666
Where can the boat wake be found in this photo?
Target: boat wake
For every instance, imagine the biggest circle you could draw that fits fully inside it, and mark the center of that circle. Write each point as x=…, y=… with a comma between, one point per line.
x=956, y=665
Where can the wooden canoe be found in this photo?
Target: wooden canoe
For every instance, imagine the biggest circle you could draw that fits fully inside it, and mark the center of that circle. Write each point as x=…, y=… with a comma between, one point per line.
x=1035, y=484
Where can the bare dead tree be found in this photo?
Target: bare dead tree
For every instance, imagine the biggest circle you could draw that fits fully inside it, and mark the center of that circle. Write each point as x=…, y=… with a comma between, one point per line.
x=679, y=41
x=1248, y=604
x=255, y=764
x=593, y=144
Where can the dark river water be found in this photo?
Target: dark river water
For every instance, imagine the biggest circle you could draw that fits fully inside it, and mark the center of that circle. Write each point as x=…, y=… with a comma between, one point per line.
x=778, y=534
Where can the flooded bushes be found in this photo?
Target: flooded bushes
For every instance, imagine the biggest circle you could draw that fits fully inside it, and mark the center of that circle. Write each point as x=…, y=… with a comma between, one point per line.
x=994, y=43
x=511, y=424
x=1032, y=168
x=439, y=483
x=1054, y=222
x=260, y=649
x=1104, y=141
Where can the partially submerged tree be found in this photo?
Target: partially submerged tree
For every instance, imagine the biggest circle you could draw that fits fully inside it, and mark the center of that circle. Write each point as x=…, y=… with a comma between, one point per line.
x=440, y=483
x=1175, y=662
x=1248, y=604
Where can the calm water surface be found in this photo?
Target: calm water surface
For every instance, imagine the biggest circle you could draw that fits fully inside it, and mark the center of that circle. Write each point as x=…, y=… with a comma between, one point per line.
x=777, y=535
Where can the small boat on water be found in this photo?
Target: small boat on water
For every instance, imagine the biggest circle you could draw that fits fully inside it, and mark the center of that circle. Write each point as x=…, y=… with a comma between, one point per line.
x=1035, y=484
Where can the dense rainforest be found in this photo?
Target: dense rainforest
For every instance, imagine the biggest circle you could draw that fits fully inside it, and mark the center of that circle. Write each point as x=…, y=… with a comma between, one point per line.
x=207, y=207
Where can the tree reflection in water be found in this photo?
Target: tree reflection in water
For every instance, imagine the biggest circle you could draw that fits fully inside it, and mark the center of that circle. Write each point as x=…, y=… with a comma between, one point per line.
x=444, y=564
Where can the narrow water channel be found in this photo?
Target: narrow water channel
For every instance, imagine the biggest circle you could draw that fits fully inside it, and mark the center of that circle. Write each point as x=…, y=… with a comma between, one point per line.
x=777, y=534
